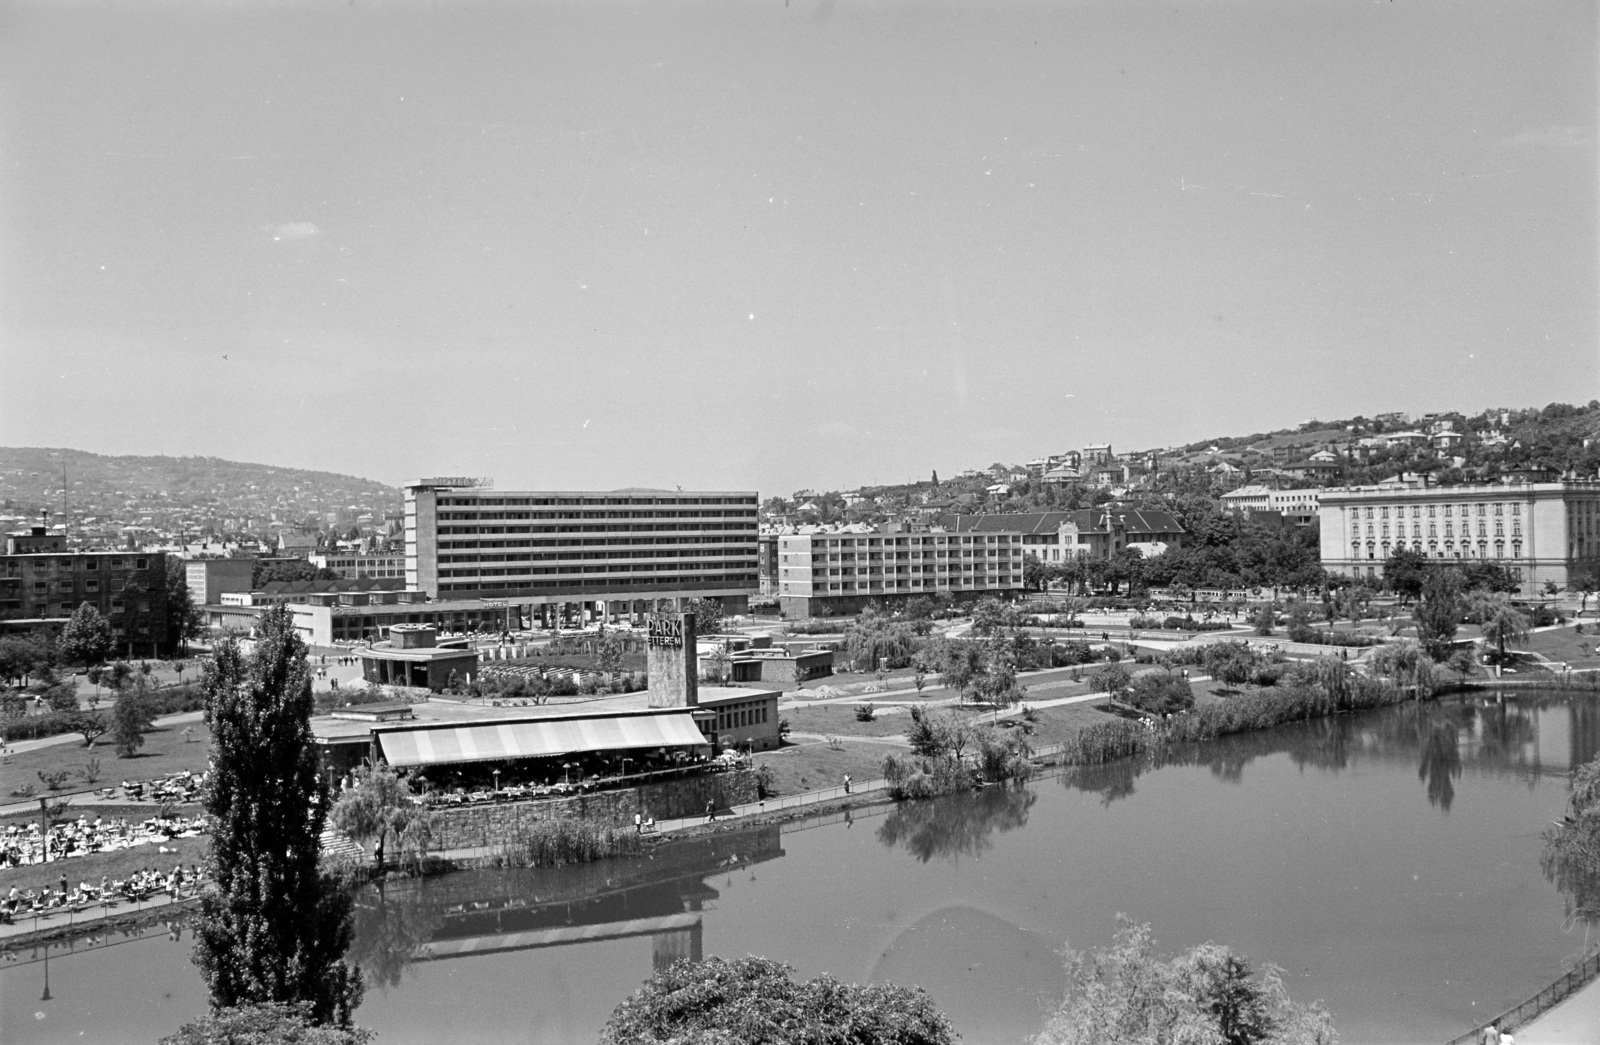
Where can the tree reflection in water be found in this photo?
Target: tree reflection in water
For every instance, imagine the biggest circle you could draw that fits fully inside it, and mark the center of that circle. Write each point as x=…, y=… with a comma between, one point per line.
x=1435, y=736
x=956, y=825
x=388, y=932
x=1441, y=762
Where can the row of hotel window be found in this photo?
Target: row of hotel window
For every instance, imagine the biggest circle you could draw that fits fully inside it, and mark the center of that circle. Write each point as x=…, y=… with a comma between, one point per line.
x=605, y=542
x=595, y=516
x=620, y=553
x=748, y=529
x=698, y=582
x=663, y=567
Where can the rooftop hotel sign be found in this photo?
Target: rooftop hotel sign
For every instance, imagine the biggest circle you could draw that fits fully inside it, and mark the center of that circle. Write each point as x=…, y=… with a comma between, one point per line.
x=458, y=482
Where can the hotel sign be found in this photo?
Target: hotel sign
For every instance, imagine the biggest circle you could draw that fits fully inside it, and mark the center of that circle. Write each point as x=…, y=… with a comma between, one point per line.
x=665, y=633
x=458, y=482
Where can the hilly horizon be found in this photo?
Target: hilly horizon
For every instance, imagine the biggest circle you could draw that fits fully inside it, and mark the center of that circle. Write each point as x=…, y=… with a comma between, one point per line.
x=218, y=488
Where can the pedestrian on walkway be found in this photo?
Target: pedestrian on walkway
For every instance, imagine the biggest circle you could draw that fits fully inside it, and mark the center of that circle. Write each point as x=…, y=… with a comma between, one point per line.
x=711, y=811
x=847, y=783
x=1491, y=1034
x=638, y=824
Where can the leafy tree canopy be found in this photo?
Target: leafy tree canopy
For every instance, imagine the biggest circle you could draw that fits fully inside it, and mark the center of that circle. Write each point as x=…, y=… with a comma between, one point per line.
x=86, y=637
x=1127, y=993
x=754, y=1001
x=270, y=1024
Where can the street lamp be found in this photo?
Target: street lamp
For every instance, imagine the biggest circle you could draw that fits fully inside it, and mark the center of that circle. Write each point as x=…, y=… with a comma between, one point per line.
x=497, y=781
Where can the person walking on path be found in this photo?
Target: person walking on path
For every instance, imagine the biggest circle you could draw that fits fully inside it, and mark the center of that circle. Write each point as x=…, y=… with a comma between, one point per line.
x=638, y=824
x=711, y=811
x=847, y=783
x=1491, y=1034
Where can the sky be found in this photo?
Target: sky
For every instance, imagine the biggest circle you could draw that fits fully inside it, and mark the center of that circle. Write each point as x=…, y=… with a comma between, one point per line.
x=764, y=245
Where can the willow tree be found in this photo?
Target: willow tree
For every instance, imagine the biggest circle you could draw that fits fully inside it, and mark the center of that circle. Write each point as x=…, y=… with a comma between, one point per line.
x=277, y=928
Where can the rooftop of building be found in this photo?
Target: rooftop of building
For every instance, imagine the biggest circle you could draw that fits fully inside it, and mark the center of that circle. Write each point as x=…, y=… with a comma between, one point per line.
x=439, y=712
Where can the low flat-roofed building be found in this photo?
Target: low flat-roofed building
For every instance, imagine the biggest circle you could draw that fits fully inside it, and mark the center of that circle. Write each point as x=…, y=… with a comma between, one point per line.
x=445, y=733
x=412, y=658
x=353, y=566
x=742, y=719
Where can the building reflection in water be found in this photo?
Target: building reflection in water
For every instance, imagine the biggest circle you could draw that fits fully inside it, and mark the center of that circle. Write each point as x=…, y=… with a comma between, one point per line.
x=1528, y=733
x=659, y=896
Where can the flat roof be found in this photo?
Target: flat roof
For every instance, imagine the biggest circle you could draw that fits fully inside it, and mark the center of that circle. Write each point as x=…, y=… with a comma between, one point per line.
x=451, y=712
x=421, y=653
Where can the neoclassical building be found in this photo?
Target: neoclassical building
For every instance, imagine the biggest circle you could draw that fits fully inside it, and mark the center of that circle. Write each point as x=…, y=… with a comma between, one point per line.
x=1541, y=531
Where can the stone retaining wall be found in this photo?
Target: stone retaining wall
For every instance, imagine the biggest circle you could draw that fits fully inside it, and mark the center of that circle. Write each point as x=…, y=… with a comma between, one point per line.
x=464, y=827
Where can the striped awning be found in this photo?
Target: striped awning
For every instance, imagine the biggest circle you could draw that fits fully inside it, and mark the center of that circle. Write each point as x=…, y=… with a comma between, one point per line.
x=496, y=741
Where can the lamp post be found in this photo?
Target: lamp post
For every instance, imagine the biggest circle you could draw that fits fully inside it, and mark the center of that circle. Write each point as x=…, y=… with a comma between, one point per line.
x=497, y=781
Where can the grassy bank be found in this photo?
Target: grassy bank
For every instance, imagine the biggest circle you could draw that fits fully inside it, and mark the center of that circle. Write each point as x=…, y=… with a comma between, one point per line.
x=166, y=750
x=811, y=767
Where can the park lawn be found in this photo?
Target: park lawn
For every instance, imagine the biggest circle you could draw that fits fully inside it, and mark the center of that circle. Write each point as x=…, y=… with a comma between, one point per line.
x=165, y=751
x=840, y=720
x=1060, y=724
x=1565, y=644
x=116, y=865
x=810, y=767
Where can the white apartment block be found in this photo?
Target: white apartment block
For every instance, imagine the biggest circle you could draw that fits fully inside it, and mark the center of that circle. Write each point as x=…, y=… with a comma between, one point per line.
x=352, y=566
x=1542, y=531
x=1299, y=505
x=825, y=574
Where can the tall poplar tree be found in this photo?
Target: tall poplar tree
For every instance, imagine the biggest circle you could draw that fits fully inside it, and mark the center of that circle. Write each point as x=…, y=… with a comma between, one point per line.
x=277, y=928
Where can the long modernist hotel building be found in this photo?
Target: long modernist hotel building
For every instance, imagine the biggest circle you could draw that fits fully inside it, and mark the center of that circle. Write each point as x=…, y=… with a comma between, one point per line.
x=1541, y=531
x=555, y=555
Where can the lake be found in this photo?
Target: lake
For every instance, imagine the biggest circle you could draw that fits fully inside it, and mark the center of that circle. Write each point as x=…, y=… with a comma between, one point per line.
x=1388, y=862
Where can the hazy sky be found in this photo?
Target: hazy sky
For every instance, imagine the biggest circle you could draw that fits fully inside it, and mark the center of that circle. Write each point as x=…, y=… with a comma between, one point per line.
x=768, y=245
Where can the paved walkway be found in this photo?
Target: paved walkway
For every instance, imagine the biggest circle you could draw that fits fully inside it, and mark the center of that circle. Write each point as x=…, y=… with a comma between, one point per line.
x=66, y=918
x=68, y=738
x=1576, y=1021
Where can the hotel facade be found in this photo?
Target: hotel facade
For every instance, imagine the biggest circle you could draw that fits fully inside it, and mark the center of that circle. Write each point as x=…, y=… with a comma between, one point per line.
x=624, y=552
x=1541, y=531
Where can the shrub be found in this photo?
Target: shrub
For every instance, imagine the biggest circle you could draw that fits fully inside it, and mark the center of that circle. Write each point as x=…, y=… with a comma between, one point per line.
x=1112, y=680
x=863, y=712
x=50, y=724
x=925, y=778
x=756, y=1001
x=1107, y=741
x=1161, y=693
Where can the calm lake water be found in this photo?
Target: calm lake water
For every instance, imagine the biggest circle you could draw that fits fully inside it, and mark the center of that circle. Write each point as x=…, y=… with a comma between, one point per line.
x=1388, y=862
